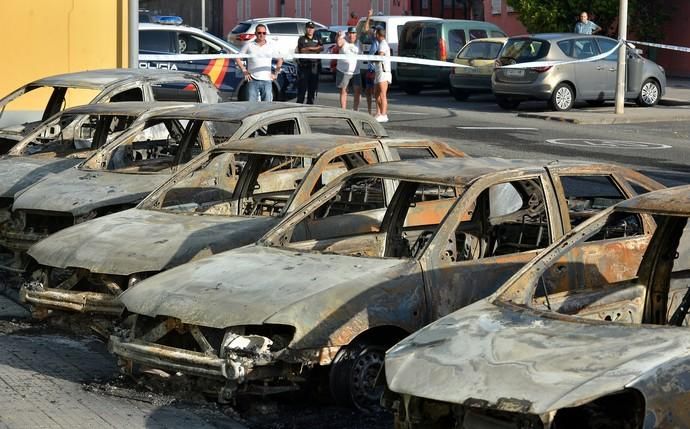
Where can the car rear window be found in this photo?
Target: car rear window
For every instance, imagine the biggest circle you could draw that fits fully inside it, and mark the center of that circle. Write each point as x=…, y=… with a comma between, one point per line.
x=481, y=50
x=478, y=34
x=456, y=40
x=283, y=28
x=409, y=39
x=524, y=50
x=242, y=27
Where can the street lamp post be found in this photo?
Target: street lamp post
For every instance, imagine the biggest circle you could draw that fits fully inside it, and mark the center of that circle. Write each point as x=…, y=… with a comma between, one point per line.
x=622, y=55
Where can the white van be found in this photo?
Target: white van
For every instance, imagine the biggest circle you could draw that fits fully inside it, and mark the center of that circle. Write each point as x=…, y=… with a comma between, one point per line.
x=393, y=25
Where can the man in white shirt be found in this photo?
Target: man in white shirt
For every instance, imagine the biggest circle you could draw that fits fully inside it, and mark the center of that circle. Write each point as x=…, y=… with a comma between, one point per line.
x=258, y=73
x=347, y=74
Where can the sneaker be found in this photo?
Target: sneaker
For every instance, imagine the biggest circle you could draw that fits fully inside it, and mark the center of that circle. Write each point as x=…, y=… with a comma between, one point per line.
x=382, y=118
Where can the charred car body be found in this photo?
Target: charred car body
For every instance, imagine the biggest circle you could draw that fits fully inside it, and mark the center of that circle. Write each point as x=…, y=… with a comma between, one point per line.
x=227, y=198
x=345, y=276
x=46, y=150
x=120, y=175
x=568, y=342
x=95, y=86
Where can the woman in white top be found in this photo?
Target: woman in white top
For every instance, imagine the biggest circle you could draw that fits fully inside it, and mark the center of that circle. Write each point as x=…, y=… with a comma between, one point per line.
x=383, y=77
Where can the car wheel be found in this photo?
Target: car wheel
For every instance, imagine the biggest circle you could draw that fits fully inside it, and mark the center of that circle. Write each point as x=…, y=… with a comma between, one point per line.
x=459, y=94
x=649, y=94
x=353, y=375
x=596, y=103
x=507, y=103
x=562, y=98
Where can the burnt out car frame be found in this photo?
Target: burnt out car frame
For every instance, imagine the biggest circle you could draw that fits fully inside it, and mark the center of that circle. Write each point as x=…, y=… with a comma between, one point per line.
x=566, y=343
x=224, y=199
x=91, y=87
x=344, y=277
x=48, y=150
x=120, y=175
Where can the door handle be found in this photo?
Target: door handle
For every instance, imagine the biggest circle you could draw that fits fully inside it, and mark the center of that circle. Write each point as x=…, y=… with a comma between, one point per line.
x=599, y=68
x=612, y=70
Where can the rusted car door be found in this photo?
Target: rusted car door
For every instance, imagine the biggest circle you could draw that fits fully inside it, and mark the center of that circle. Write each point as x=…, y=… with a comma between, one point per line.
x=501, y=222
x=614, y=254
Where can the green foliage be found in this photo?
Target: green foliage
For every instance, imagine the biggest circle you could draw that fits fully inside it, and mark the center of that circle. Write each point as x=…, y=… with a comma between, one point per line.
x=646, y=18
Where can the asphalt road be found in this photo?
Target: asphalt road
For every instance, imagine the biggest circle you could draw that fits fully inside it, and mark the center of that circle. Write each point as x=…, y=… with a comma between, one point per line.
x=480, y=128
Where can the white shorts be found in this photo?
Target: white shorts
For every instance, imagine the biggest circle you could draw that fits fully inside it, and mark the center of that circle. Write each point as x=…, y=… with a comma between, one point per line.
x=383, y=77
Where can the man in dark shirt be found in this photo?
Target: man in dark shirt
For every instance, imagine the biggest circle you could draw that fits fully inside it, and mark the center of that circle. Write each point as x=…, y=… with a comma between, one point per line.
x=308, y=74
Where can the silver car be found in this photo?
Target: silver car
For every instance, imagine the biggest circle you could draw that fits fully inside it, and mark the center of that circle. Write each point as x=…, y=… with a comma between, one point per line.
x=561, y=85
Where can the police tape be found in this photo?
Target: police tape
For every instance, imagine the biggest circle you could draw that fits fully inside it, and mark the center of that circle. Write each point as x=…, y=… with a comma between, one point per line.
x=405, y=60
x=659, y=45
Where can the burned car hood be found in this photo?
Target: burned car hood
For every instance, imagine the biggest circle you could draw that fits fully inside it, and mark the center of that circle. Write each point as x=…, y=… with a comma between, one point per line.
x=78, y=191
x=498, y=357
x=135, y=240
x=248, y=285
x=19, y=172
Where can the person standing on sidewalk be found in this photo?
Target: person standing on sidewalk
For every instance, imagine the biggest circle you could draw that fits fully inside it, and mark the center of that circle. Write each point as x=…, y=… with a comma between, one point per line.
x=367, y=70
x=383, y=77
x=346, y=74
x=585, y=26
x=353, y=20
x=258, y=73
x=308, y=73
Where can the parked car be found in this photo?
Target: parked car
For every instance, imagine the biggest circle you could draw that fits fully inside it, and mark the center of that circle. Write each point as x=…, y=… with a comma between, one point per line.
x=480, y=55
x=581, y=337
x=346, y=276
x=561, y=85
x=393, y=25
x=436, y=40
x=227, y=198
x=282, y=32
x=160, y=46
x=58, y=144
x=95, y=86
x=121, y=174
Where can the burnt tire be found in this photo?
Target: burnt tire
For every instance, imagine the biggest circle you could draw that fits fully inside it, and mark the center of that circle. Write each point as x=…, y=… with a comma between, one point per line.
x=459, y=94
x=649, y=94
x=506, y=103
x=562, y=98
x=353, y=374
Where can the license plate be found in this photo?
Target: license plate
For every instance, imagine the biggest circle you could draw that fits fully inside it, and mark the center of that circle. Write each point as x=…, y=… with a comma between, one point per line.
x=515, y=72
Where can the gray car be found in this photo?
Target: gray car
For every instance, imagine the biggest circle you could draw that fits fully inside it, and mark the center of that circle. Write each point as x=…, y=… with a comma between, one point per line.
x=561, y=85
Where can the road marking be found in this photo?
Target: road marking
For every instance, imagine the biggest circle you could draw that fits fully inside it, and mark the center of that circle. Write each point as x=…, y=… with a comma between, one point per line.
x=607, y=144
x=498, y=128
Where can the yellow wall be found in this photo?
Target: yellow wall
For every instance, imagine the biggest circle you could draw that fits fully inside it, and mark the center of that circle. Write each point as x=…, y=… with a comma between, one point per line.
x=47, y=37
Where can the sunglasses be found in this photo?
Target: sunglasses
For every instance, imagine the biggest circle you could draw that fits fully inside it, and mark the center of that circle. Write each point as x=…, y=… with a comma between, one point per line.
x=260, y=32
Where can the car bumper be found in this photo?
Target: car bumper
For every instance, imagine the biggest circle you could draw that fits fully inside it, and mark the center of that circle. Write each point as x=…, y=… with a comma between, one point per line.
x=174, y=359
x=471, y=83
x=70, y=301
x=537, y=91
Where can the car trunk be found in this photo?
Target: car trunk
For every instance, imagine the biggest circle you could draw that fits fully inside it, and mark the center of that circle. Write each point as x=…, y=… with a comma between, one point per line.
x=518, y=51
x=422, y=40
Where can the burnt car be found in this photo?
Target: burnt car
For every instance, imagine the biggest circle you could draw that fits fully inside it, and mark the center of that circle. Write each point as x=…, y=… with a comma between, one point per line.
x=346, y=276
x=580, y=337
x=227, y=198
x=49, y=150
x=120, y=175
x=54, y=93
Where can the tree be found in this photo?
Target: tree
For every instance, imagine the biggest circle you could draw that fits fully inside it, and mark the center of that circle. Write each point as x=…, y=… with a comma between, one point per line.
x=646, y=17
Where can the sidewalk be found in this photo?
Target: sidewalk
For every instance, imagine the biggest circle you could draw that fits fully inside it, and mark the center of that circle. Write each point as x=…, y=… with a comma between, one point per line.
x=674, y=106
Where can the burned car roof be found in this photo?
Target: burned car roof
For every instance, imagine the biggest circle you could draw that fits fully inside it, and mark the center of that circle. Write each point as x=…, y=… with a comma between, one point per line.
x=98, y=79
x=240, y=109
x=454, y=171
x=671, y=201
x=124, y=108
x=309, y=145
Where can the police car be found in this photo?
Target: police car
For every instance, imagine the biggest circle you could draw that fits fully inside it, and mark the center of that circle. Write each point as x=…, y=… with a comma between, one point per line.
x=161, y=45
